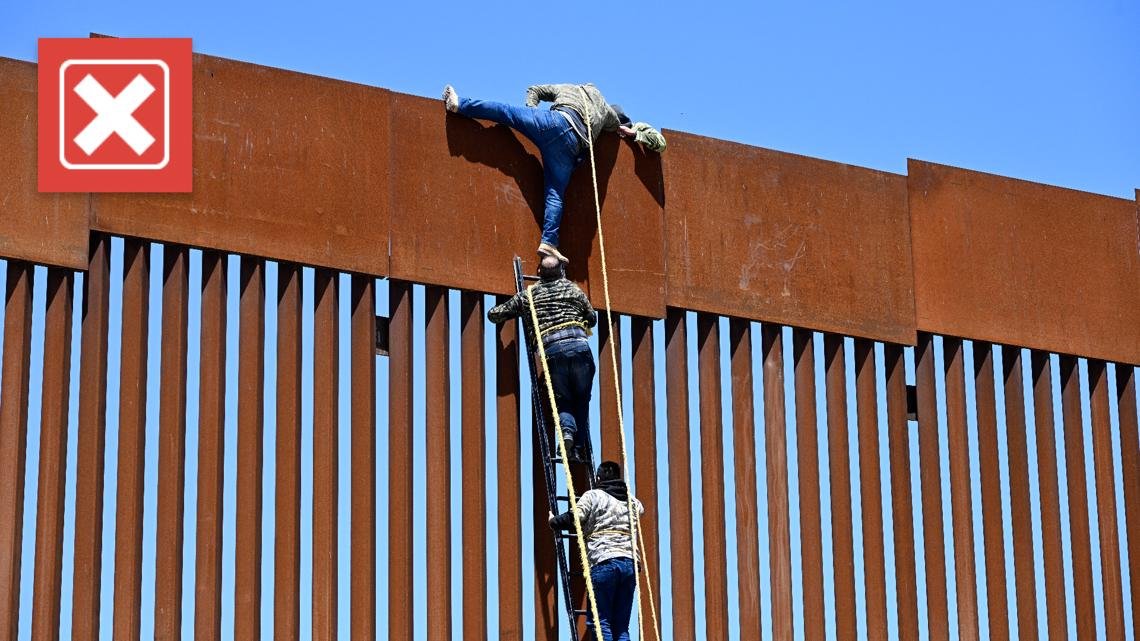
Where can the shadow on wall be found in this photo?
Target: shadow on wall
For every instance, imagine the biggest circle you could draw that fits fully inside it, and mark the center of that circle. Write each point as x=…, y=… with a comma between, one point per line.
x=500, y=147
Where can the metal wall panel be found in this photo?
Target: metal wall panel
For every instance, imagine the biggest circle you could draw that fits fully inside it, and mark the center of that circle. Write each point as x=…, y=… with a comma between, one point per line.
x=773, y=236
x=43, y=228
x=286, y=165
x=1020, y=263
x=470, y=192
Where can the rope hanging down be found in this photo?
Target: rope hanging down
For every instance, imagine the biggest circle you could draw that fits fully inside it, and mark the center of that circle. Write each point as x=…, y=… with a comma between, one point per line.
x=565, y=463
x=634, y=518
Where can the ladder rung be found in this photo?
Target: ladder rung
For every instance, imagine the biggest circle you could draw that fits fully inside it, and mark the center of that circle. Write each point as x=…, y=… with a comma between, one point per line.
x=529, y=277
x=581, y=613
x=561, y=497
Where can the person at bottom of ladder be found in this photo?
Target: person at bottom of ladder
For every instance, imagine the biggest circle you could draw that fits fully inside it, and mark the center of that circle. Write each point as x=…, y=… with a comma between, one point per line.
x=564, y=319
x=604, y=516
x=561, y=134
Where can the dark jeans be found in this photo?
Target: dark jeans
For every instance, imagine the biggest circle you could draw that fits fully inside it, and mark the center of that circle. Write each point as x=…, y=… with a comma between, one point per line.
x=613, y=587
x=554, y=137
x=571, y=367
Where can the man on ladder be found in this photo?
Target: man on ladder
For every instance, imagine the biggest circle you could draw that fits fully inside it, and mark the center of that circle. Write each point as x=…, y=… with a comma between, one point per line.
x=564, y=318
x=563, y=136
x=603, y=513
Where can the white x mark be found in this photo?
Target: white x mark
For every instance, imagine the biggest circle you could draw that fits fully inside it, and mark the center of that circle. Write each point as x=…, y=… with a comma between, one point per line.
x=114, y=114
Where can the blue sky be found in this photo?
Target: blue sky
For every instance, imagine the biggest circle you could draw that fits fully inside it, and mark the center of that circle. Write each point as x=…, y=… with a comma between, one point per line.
x=1041, y=91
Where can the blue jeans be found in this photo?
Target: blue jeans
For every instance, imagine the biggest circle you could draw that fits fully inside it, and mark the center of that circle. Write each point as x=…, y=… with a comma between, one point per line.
x=613, y=587
x=554, y=137
x=571, y=367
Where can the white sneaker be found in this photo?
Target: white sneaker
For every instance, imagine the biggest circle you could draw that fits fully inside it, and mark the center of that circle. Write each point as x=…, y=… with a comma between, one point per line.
x=450, y=99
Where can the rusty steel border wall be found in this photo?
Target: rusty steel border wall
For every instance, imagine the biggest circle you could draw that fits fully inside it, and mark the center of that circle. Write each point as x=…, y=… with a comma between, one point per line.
x=309, y=171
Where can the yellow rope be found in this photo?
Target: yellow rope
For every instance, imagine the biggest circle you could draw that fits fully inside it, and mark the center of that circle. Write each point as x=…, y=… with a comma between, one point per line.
x=565, y=325
x=634, y=518
x=566, y=468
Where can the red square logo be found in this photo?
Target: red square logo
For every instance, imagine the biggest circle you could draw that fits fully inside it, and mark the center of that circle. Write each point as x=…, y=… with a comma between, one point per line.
x=115, y=115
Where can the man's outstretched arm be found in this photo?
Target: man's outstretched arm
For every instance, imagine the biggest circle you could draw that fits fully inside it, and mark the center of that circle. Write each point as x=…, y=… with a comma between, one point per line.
x=641, y=132
x=513, y=308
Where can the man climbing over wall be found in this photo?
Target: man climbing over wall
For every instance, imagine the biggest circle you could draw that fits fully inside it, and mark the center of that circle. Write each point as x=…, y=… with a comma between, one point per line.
x=560, y=134
x=564, y=316
x=603, y=513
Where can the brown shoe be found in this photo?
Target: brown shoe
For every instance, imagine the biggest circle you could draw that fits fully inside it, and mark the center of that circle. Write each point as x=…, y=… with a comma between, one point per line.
x=546, y=249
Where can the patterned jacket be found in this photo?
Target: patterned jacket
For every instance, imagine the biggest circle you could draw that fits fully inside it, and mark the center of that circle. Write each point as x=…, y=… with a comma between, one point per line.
x=602, y=116
x=556, y=302
x=604, y=515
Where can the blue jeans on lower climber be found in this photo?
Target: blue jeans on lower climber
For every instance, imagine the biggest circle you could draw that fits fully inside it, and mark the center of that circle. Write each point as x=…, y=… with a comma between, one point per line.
x=613, y=588
x=556, y=141
x=572, y=369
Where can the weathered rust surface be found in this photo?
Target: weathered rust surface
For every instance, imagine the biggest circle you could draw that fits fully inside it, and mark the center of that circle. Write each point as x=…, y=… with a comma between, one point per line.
x=807, y=451
x=1025, y=264
x=132, y=440
x=91, y=446
x=401, y=469
x=250, y=450
x=287, y=508
x=712, y=476
x=467, y=197
x=438, y=441
x=172, y=444
x=510, y=514
x=680, y=477
x=776, y=471
x=839, y=459
x=931, y=490
x=14, y=392
x=1017, y=453
x=645, y=458
x=773, y=236
x=41, y=228
x=1047, y=477
x=474, y=465
x=47, y=574
x=211, y=450
x=1130, y=464
x=871, y=490
x=326, y=449
x=1081, y=543
x=744, y=474
x=1111, y=585
x=362, y=523
x=993, y=528
x=961, y=504
x=902, y=509
x=286, y=165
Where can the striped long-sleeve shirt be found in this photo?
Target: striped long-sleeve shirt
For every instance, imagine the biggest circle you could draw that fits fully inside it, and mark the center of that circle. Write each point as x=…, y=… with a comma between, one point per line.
x=555, y=301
